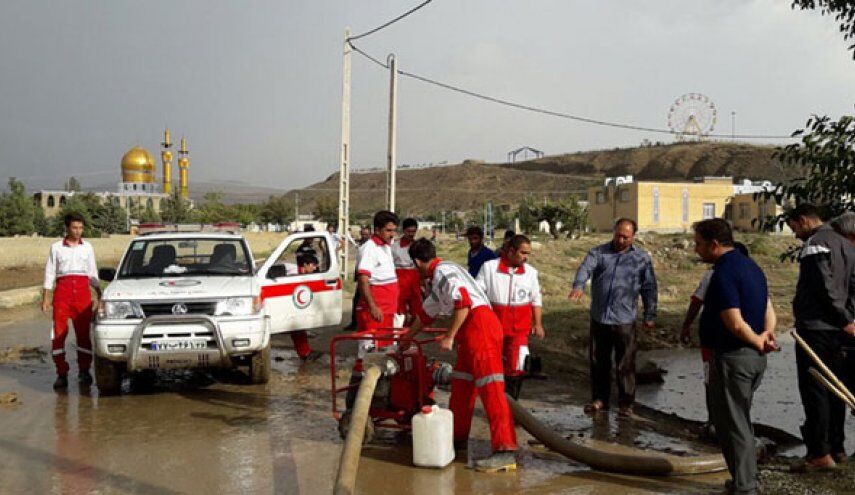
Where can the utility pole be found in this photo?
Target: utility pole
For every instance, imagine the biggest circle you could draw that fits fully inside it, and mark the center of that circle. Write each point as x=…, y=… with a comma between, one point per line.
x=443, y=222
x=296, y=206
x=393, y=116
x=344, y=163
x=733, y=125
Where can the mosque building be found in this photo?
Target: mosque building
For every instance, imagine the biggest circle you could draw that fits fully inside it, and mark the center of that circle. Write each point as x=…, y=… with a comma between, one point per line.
x=139, y=188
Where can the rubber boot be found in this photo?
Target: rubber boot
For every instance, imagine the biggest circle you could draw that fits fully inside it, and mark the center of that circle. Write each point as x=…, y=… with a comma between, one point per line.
x=498, y=462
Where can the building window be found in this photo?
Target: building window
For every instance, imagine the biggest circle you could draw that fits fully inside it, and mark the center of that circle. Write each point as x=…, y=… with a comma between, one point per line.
x=685, y=205
x=50, y=201
x=709, y=210
x=62, y=201
x=655, y=205
x=743, y=211
x=135, y=187
x=601, y=197
x=624, y=195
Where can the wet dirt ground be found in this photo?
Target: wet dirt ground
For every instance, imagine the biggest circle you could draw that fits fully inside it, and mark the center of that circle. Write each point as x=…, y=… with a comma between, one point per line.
x=212, y=433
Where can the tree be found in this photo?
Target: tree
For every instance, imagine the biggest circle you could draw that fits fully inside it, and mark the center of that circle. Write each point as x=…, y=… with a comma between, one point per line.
x=149, y=215
x=212, y=209
x=842, y=10
x=326, y=209
x=72, y=184
x=17, y=210
x=572, y=217
x=109, y=218
x=278, y=210
x=176, y=209
x=824, y=165
x=245, y=213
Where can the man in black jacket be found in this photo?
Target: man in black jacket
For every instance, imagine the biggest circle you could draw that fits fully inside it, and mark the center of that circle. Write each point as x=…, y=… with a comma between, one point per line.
x=822, y=311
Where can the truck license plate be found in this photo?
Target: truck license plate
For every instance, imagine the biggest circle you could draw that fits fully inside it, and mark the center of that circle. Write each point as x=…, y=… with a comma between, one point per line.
x=179, y=345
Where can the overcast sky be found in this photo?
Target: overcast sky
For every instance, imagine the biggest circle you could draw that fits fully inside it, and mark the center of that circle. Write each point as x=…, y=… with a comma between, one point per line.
x=256, y=86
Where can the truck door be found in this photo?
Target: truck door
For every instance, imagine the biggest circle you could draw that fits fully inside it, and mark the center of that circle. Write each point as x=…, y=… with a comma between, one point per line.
x=300, y=283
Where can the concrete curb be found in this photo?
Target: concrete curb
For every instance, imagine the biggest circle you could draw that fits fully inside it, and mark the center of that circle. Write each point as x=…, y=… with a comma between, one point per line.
x=19, y=297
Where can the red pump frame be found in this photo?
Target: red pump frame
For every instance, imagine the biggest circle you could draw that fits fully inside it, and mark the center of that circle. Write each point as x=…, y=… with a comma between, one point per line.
x=398, y=335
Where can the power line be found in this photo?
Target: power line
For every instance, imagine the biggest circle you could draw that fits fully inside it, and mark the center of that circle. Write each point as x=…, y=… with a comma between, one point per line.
x=389, y=23
x=552, y=113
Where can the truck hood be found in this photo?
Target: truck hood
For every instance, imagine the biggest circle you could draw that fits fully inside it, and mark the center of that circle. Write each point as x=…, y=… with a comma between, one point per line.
x=204, y=287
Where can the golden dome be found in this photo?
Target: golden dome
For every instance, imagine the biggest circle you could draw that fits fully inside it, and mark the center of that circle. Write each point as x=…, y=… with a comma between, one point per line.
x=138, y=166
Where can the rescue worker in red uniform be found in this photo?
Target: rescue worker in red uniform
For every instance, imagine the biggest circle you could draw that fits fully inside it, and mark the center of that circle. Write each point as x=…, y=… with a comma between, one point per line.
x=378, y=288
x=512, y=287
x=306, y=263
x=478, y=335
x=409, y=280
x=70, y=272
x=376, y=278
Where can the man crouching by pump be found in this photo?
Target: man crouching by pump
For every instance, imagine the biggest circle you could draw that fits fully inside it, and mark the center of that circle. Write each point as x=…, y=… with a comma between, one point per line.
x=478, y=335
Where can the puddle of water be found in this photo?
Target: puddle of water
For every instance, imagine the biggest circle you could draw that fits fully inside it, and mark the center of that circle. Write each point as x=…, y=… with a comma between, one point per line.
x=777, y=402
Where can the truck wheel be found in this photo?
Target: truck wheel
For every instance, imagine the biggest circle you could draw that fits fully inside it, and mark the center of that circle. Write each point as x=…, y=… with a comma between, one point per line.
x=108, y=377
x=142, y=382
x=259, y=366
x=344, y=426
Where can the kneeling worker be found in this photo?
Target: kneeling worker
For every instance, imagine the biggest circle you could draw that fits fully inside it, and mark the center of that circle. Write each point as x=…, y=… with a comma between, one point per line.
x=478, y=334
x=514, y=292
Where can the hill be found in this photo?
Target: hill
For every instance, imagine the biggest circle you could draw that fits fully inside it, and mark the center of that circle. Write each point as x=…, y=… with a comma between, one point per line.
x=469, y=185
x=677, y=161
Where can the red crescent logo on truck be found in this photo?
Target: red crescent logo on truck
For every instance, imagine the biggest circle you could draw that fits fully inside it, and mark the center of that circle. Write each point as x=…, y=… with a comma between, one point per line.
x=302, y=296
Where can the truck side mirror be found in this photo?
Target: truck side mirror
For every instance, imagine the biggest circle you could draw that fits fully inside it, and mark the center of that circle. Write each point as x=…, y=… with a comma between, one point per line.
x=277, y=271
x=107, y=274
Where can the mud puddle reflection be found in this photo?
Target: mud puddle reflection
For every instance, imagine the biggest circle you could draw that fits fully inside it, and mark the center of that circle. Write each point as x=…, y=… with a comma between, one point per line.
x=776, y=403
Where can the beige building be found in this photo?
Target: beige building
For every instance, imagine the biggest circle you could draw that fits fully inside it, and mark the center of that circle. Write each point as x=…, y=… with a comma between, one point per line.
x=675, y=206
x=658, y=206
x=748, y=213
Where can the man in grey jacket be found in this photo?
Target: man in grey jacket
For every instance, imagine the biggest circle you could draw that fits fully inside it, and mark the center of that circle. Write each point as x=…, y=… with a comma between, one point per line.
x=822, y=311
x=619, y=273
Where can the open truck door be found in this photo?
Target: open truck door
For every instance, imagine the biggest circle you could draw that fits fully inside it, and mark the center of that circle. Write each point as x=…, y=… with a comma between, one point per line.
x=297, y=296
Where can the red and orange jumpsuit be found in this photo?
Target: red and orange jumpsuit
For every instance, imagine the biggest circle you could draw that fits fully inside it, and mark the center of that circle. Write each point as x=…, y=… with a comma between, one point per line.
x=70, y=272
x=409, y=280
x=478, y=371
x=513, y=292
x=375, y=261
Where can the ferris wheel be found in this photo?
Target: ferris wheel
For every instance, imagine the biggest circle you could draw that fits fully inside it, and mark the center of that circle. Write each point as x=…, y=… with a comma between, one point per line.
x=692, y=116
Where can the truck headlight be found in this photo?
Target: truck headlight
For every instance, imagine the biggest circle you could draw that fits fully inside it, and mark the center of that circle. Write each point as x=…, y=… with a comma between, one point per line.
x=118, y=310
x=239, y=306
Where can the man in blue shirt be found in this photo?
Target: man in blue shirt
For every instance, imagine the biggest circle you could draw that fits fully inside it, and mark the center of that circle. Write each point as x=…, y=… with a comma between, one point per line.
x=478, y=252
x=619, y=273
x=738, y=324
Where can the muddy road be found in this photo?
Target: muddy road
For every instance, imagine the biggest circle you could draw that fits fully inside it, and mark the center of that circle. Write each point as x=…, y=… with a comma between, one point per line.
x=211, y=433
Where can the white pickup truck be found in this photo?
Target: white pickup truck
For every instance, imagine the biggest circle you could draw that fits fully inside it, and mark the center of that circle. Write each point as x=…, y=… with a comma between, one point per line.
x=183, y=300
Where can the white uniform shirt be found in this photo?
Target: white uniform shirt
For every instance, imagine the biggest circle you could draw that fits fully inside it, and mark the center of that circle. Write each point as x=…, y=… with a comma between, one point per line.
x=452, y=287
x=701, y=292
x=375, y=260
x=65, y=260
x=508, y=286
x=401, y=255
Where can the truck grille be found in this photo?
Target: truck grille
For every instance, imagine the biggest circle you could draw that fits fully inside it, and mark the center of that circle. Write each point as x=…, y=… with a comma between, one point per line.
x=193, y=308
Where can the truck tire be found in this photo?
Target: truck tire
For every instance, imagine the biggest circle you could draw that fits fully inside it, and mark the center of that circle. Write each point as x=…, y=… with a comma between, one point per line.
x=108, y=377
x=259, y=366
x=142, y=382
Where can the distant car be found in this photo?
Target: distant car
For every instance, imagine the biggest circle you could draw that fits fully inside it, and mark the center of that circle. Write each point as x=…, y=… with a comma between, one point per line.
x=185, y=300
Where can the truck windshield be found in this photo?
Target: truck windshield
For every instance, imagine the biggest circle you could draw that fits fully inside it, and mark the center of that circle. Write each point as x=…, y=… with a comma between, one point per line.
x=182, y=257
